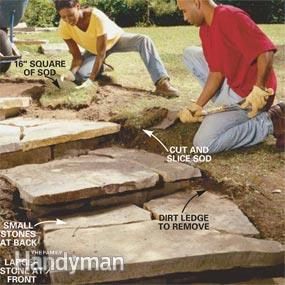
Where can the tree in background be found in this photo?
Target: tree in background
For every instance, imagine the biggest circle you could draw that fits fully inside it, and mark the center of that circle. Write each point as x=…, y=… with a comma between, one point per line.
x=127, y=13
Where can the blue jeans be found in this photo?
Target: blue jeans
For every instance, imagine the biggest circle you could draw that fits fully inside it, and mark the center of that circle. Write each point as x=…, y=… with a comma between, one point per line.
x=228, y=130
x=129, y=43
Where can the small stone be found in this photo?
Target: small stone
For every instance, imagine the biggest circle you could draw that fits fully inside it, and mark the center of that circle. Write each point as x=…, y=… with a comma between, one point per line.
x=276, y=191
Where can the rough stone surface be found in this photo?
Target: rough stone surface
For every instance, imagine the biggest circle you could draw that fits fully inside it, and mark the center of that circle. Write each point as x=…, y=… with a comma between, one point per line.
x=78, y=178
x=131, y=197
x=114, y=216
x=14, y=102
x=54, y=48
x=224, y=215
x=39, y=133
x=147, y=251
x=79, y=147
x=169, y=171
x=140, y=197
x=12, y=159
x=272, y=281
x=45, y=154
x=8, y=113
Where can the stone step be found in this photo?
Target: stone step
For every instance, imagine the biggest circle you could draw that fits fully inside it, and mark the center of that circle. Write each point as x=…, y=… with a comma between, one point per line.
x=124, y=214
x=44, y=132
x=169, y=171
x=11, y=106
x=148, y=251
x=223, y=214
x=98, y=180
x=18, y=136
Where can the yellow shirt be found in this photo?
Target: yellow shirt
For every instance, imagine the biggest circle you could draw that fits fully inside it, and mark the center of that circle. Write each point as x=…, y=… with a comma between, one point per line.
x=99, y=25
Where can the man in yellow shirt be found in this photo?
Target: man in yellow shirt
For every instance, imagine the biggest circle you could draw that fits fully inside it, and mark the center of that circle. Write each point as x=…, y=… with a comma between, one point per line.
x=91, y=29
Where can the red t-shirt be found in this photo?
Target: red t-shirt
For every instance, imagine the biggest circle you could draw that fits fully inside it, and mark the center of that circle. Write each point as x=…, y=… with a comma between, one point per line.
x=231, y=46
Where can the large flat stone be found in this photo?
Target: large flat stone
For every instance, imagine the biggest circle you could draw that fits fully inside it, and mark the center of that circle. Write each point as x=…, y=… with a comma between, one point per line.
x=40, y=133
x=138, y=198
x=148, y=252
x=78, y=178
x=224, y=215
x=170, y=172
x=107, y=217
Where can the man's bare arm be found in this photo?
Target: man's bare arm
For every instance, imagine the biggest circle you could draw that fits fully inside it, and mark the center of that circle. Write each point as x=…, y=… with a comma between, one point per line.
x=101, y=54
x=264, y=66
x=76, y=55
x=214, y=82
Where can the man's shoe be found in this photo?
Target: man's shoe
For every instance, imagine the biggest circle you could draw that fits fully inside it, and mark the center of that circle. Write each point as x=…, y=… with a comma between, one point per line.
x=277, y=115
x=165, y=89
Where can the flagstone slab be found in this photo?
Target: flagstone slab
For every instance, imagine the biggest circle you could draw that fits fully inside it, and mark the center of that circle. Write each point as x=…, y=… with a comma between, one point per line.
x=14, y=102
x=138, y=198
x=170, y=172
x=148, y=251
x=40, y=133
x=78, y=178
x=107, y=217
x=54, y=48
x=224, y=215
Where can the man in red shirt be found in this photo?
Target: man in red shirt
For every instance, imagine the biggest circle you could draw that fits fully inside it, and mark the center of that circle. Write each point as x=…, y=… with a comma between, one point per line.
x=234, y=64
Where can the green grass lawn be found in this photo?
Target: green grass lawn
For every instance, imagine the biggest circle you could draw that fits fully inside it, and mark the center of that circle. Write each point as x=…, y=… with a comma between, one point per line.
x=129, y=69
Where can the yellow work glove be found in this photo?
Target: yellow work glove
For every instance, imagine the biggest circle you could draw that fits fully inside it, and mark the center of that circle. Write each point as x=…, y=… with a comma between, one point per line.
x=68, y=76
x=87, y=84
x=191, y=114
x=256, y=100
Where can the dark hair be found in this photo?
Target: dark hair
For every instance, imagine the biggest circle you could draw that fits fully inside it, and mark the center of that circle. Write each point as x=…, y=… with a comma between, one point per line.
x=62, y=4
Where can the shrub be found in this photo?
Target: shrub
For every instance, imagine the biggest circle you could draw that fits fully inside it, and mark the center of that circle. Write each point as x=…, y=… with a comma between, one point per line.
x=144, y=12
x=40, y=13
x=165, y=13
x=124, y=12
x=262, y=11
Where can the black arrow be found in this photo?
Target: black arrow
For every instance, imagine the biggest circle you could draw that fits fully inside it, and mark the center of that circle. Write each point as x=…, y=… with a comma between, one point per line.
x=198, y=194
x=54, y=81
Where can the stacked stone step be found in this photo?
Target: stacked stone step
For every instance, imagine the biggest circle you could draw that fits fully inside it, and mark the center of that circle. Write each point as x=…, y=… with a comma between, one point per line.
x=29, y=140
x=111, y=200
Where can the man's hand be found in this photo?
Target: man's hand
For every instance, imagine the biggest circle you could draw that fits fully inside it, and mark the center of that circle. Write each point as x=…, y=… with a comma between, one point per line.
x=87, y=84
x=191, y=114
x=69, y=76
x=257, y=100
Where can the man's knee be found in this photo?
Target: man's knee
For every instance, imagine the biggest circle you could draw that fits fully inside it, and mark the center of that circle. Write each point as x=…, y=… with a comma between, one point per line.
x=191, y=54
x=201, y=141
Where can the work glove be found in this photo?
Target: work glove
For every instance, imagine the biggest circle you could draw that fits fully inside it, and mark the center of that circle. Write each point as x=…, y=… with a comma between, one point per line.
x=68, y=76
x=87, y=84
x=191, y=114
x=256, y=100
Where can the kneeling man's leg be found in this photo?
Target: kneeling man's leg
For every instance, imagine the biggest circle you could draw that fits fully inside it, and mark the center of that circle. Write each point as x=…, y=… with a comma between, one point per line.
x=231, y=130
